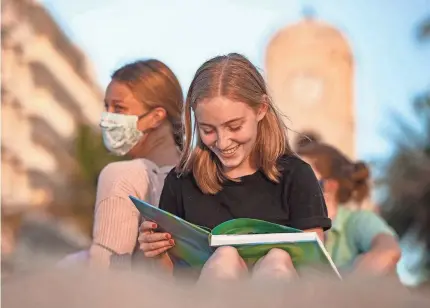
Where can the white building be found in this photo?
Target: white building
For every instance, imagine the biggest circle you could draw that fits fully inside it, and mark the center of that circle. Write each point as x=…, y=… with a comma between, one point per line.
x=47, y=89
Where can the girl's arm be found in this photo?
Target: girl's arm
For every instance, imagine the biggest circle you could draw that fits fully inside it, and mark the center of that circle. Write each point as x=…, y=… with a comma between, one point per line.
x=381, y=250
x=116, y=219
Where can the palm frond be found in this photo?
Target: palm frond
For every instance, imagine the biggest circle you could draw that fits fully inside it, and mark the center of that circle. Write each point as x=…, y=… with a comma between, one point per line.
x=407, y=176
x=423, y=32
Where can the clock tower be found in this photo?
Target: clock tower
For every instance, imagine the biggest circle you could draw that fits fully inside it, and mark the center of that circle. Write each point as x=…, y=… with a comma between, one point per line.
x=309, y=69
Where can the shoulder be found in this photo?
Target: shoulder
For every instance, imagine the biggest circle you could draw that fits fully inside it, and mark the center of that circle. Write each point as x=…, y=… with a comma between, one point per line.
x=290, y=162
x=176, y=179
x=181, y=183
x=175, y=176
x=364, y=226
x=131, y=175
x=122, y=169
x=293, y=166
x=370, y=221
x=365, y=216
x=362, y=214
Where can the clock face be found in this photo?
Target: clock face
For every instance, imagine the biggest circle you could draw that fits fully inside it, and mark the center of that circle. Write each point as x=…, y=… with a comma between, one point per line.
x=305, y=88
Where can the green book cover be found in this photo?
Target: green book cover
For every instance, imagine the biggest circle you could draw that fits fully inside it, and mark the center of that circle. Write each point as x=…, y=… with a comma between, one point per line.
x=252, y=237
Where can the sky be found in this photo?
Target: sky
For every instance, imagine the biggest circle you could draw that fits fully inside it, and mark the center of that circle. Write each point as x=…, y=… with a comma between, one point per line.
x=391, y=67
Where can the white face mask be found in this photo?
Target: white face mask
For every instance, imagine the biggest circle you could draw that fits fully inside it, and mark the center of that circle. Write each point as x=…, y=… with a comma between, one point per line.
x=120, y=133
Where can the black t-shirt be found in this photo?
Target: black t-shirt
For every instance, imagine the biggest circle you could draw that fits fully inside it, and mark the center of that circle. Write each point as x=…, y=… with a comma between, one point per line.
x=296, y=201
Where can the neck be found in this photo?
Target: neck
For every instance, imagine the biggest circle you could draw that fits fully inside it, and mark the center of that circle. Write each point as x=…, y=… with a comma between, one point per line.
x=332, y=205
x=161, y=150
x=247, y=167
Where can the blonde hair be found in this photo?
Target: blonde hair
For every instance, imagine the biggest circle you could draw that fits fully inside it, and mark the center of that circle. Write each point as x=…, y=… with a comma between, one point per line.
x=234, y=77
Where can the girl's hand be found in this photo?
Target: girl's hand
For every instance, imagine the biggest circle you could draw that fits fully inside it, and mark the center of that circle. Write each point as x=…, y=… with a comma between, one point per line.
x=152, y=243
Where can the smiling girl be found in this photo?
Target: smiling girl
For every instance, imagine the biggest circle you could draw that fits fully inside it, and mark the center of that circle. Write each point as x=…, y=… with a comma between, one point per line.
x=241, y=166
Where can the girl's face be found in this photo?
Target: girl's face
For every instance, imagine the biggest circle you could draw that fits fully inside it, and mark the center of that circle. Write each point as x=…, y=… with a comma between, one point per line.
x=120, y=99
x=328, y=186
x=229, y=129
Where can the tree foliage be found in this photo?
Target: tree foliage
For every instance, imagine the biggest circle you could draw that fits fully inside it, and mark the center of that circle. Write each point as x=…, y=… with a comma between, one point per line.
x=406, y=177
x=423, y=33
x=91, y=156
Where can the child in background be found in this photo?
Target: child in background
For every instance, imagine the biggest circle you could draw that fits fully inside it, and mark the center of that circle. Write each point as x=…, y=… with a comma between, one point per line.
x=359, y=239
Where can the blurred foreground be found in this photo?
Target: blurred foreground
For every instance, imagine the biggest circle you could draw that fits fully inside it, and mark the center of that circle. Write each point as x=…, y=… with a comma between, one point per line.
x=84, y=288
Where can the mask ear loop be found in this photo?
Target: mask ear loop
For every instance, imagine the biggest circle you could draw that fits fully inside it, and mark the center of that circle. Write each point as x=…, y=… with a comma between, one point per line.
x=144, y=115
x=139, y=117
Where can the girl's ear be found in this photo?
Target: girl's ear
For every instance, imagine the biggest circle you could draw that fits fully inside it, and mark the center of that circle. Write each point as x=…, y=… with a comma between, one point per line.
x=262, y=109
x=158, y=115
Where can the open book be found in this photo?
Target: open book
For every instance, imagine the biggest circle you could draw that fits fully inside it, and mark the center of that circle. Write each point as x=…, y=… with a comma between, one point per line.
x=253, y=238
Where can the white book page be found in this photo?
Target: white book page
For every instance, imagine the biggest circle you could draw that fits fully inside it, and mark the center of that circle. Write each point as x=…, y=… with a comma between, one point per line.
x=272, y=238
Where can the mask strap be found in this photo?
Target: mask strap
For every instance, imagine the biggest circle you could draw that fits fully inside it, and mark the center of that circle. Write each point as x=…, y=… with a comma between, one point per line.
x=141, y=117
x=144, y=115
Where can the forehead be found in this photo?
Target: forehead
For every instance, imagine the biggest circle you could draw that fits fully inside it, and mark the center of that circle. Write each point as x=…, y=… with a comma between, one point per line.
x=118, y=90
x=218, y=110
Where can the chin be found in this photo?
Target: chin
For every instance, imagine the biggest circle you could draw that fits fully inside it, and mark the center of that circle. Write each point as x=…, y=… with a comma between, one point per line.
x=231, y=162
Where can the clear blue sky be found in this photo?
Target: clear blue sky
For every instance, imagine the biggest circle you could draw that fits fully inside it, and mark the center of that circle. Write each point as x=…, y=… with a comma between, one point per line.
x=391, y=67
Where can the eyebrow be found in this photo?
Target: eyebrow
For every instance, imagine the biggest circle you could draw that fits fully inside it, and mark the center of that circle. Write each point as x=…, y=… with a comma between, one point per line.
x=115, y=101
x=225, y=123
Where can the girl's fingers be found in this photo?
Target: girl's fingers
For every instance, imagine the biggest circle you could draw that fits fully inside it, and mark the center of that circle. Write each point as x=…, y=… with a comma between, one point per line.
x=155, y=253
x=154, y=249
x=153, y=237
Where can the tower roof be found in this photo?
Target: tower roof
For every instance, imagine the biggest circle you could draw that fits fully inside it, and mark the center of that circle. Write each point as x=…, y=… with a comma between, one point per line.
x=310, y=29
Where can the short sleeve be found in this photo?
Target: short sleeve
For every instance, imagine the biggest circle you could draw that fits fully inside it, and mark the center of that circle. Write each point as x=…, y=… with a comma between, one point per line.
x=171, y=196
x=365, y=226
x=305, y=199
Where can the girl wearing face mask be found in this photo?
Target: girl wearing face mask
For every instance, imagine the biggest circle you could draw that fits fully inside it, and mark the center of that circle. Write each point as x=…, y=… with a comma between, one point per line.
x=240, y=165
x=142, y=120
x=358, y=239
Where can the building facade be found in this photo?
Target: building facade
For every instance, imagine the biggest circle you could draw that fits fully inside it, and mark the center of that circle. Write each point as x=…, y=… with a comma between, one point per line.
x=310, y=72
x=47, y=91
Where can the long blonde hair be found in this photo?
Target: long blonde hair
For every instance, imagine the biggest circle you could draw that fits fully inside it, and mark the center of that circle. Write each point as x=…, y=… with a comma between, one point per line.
x=232, y=76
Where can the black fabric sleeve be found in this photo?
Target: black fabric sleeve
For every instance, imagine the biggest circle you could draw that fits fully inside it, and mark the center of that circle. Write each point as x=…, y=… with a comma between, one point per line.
x=171, y=197
x=305, y=200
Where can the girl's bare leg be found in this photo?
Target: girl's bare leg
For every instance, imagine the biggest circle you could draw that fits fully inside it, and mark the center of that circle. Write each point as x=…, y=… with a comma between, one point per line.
x=276, y=264
x=224, y=264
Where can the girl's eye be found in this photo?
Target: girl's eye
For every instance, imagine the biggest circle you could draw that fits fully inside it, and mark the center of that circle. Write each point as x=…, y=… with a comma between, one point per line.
x=235, y=128
x=207, y=132
x=119, y=108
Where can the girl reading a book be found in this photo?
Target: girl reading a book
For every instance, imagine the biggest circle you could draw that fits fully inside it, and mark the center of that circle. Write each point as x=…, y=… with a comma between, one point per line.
x=142, y=120
x=358, y=239
x=236, y=163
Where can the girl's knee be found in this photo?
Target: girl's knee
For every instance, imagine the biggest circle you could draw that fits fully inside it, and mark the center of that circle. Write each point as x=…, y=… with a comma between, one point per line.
x=227, y=252
x=225, y=263
x=229, y=255
x=276, y=263
x=279, y=256
x=276, y=260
